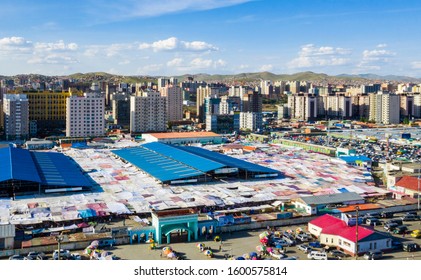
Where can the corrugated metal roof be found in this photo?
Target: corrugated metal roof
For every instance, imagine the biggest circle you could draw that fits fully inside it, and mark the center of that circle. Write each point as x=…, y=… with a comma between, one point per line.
x=227, y=160
x=173, y=135
x=157, y=165
x=56, y=169
x=17, y=164
x=201, y=163
x=332, y=198
x=50, y=169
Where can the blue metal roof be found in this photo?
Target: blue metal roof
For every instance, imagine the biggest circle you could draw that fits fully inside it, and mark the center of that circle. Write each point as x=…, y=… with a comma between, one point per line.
x=158, y=165
x=46, y=168
x=227, y=160
x=198, y=162
x=17, y=164
x=56, y=169
x=351, y=159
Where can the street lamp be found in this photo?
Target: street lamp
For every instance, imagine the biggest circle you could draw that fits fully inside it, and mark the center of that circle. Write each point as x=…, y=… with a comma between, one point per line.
x=356, y=232
x=59, y=239
x=418, y=194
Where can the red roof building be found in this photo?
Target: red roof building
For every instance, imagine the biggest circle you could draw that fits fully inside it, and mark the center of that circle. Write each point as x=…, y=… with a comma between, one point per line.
x=334, y=232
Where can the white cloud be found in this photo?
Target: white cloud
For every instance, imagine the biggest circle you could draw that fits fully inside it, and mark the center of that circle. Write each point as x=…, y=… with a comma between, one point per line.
x=266, y=67
x=57, y=46
x=176, y=62
x=13, y=44
x=174, y=44
x=376, y=55
x=311, y=56
x=376, y=58
x=52, y=59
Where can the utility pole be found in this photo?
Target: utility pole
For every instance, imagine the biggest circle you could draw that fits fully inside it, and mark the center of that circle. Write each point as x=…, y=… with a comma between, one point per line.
x=418, y=194
x=356, y=232
x=59, y=239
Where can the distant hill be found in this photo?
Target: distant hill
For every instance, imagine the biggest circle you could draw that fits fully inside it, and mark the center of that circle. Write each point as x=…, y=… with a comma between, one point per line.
x=241, y=77
x=370, y=76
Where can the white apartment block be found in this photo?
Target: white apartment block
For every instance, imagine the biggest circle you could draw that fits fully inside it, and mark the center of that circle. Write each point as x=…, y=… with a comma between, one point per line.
x=85, y=115
x=148, y=112
x=16, y=116
x=302, y=106
x=250, y=120
x=385, y=108
x=417, y=105
x=174, y=102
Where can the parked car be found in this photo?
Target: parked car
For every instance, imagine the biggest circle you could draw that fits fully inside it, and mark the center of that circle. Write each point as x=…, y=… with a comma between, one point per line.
x=410, y=246
x=416, y=233
x=373, y=222
x=281, y=243
x=291, y=242
x=64, y=254
x=390, y=226
x=317, y=255
x=400, y=230
x=396, y=221
x=35, y=256
x=386, y=214
x=303, y=237
x=315, y=244
x=373, y=255
x=305, y=248
x=338, y=254
x=372, y=215
x=410, y=217
x=75, y=256
x=16, y=257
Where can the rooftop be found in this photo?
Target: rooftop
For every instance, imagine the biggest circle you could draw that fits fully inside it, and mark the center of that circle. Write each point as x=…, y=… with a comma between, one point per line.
x=332, y=198
x=171, y=135
x=408, y=182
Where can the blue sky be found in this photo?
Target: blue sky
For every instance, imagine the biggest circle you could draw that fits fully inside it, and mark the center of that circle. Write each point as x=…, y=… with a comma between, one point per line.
x=174, y=37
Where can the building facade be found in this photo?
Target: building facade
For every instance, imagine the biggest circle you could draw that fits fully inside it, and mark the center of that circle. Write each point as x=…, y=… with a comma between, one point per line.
x=85, y=115
x=148, y=112
x=174, y=102
x=16, y=116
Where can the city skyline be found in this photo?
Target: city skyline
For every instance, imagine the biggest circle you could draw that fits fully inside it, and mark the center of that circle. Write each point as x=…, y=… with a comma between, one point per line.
x=209, y=36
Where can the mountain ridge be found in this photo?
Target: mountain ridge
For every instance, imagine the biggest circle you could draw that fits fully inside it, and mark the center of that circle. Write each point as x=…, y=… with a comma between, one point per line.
x=240, y=77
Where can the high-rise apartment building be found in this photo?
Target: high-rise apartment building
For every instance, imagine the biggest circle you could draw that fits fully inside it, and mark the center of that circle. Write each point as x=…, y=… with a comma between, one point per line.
x=201, y=94
x=120, y=103
x=302, y=106
x=148, y=112
x=385, y=108
x=251, y=121
x=407, y=106
x=417, y=105
x=85, y=115
x=174, y=97
x=16, y=116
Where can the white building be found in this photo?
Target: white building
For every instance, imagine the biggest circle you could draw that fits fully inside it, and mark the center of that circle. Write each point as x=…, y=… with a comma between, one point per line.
x=85, y=115
x=148, y=112
x=183, y=138
x=251, y=121
x=341, y=234
x=16, y=116
x=174, y=102
x=385, y=108
x=302, y=106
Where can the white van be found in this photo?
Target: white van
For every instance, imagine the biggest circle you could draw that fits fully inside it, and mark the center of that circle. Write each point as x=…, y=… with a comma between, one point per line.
x=317, y=255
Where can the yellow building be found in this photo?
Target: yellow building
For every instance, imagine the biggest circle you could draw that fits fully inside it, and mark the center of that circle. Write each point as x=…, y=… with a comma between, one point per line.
x=48, y=108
